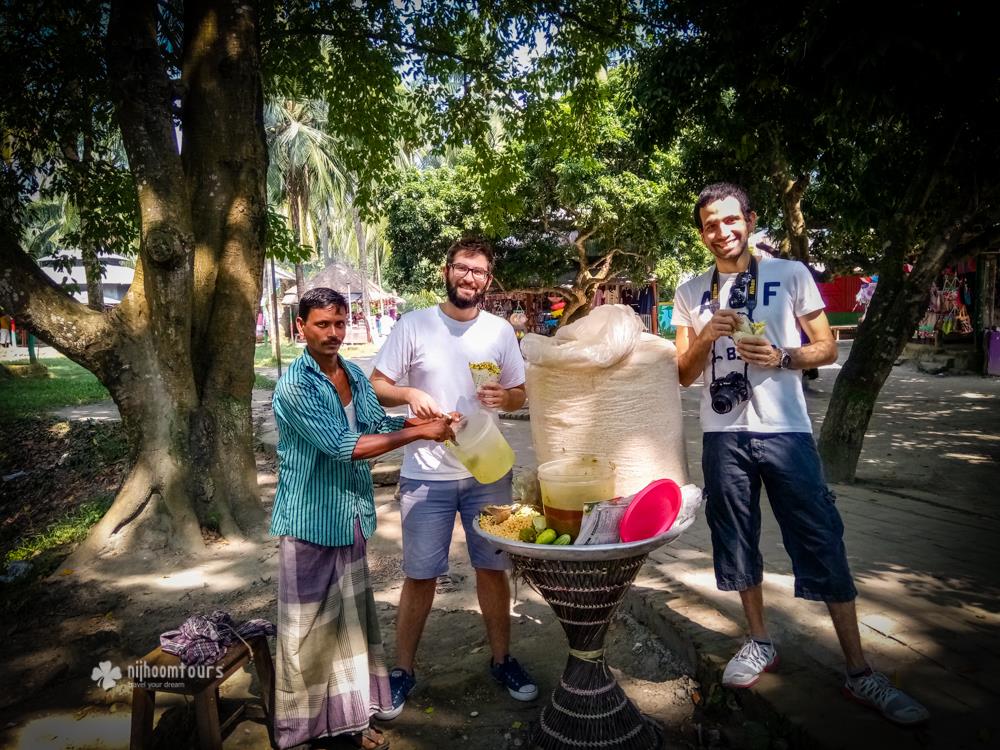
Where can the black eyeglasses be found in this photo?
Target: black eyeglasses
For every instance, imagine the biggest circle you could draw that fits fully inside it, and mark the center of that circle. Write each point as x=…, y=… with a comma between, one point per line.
x=479, y=274
x=738, y=292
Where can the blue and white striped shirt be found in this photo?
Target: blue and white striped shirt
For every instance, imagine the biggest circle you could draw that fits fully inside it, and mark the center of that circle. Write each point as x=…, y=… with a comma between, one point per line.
x=320, y=489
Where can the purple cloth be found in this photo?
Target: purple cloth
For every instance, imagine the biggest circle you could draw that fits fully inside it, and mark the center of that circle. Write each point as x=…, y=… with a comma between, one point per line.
x=204, y=640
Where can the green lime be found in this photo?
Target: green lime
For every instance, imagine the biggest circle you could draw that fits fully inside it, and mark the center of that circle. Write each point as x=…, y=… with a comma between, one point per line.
x=546, y=537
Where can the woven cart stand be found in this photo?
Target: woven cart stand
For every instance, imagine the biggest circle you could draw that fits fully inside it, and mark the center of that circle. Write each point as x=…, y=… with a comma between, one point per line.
x=584, y=586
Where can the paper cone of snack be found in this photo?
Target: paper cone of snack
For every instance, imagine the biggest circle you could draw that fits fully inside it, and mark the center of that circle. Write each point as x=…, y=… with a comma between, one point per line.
x=484, y=372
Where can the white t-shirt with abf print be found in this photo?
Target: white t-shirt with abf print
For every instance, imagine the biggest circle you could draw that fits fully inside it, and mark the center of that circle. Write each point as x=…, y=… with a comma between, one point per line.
x=785, y=292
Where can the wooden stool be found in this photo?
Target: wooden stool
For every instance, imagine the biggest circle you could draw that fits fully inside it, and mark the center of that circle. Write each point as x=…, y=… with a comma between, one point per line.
x=204, y=691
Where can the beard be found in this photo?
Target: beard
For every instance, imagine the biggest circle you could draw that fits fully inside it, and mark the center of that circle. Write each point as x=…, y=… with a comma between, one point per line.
x=460, y=302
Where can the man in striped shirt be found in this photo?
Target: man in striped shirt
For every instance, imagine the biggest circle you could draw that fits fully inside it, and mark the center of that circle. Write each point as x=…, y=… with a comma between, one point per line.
x=331, y=673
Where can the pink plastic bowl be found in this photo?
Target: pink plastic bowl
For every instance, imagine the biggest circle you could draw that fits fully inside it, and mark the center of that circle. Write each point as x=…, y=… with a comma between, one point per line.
x=652, y=511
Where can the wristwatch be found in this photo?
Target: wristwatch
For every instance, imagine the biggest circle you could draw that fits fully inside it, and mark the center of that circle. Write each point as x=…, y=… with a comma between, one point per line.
x=784, y=359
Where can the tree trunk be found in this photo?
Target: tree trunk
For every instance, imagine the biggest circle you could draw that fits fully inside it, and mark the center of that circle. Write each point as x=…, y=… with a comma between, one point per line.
x=896, y=308
x=359, y=233
x=177, y=354
x=790, y=191
x=578, y=306
x=95, y=284
x=324, y=235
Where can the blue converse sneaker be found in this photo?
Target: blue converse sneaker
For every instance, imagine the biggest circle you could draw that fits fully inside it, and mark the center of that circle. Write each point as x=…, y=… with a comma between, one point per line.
x=401, y=683
x=873, y=689
x=518, y=683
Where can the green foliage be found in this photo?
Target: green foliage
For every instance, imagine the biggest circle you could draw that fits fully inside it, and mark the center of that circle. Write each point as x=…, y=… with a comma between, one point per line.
x=427, y=212
x=281, y=244
x=420, y=300
x=895, y=132
x=68, y=384
x=583, y=176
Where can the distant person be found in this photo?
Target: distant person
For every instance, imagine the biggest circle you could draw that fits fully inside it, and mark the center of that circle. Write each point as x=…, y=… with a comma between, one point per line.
x=757, y=430
x=389, y=321
x=5, y=331
x=331, y=673
x=433, y=349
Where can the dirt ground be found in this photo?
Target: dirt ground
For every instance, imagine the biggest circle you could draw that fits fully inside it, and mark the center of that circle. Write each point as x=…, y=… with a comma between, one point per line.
x=48, y=700
x=927, y=431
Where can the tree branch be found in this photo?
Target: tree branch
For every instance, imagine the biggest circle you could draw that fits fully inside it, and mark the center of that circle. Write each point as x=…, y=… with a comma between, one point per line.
x=143, y=102
x=35, y=300
x=581, y=248
x=605, y=263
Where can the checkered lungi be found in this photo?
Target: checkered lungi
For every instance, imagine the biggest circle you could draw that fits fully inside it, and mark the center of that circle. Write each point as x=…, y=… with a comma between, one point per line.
x=331, y=674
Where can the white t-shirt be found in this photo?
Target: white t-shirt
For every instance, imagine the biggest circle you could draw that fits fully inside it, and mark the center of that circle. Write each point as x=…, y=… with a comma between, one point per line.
x=352, y=416
x=434, y=352
x=785, y=292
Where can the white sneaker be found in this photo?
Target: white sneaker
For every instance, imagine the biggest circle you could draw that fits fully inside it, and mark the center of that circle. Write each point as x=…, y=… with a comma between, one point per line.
x=876, y=691
x=752, y=660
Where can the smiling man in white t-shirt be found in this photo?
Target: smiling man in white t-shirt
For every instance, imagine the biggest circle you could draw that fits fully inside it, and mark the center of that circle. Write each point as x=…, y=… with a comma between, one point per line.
x=433, y=349
x=757, y=431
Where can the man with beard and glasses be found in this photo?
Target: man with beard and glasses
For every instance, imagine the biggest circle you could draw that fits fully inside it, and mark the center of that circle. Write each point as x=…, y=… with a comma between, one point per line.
x=757, y=431
x=433, y=348
x=331, y=674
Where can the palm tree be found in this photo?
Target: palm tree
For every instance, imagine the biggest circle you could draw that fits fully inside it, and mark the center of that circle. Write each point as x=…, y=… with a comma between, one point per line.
x=305, y=167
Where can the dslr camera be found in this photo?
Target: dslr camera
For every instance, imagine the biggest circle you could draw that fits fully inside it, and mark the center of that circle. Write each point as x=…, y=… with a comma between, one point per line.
x=729, y=391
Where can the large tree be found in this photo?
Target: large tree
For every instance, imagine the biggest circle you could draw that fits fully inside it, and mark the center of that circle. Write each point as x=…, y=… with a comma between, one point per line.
x=186, y=82
x=568, y=209
x=891, y=128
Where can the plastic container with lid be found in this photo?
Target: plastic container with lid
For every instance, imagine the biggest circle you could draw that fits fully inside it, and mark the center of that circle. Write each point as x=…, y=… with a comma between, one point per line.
x=568, y=483
x=480, y=447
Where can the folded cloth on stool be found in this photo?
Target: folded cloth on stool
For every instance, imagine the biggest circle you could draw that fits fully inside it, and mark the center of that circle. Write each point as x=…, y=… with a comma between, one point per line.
x=204, y=639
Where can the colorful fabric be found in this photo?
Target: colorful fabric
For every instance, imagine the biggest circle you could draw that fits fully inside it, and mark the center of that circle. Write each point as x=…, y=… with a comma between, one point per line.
x=331, y=674
x=321, y=490
x=205, y=640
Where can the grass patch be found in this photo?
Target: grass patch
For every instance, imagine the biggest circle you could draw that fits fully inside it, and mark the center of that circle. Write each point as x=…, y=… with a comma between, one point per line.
x=262, y=382
x=67, y=530
x=263, y=357
x=68, y=384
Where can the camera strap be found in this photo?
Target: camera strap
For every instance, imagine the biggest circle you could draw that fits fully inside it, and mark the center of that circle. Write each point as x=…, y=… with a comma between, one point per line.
x=751, y=304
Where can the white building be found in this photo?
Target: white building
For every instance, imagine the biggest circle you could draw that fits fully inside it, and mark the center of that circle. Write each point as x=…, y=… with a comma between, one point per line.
x=116, y=279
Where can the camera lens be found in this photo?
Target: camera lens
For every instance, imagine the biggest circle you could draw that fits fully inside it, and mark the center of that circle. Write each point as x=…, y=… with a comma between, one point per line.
x=729, y=392
x=723, y=403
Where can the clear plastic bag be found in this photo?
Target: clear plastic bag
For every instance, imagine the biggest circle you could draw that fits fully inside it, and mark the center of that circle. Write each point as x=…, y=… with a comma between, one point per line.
x=603, y=338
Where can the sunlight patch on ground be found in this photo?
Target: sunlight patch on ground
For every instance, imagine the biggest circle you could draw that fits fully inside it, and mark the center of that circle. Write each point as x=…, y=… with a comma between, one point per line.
x=228, y=574
x=973, y=394
x=66, y=730
x=970, y=458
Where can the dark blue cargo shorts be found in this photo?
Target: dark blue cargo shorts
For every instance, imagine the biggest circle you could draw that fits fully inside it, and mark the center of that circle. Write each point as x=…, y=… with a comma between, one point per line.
x=735, y=464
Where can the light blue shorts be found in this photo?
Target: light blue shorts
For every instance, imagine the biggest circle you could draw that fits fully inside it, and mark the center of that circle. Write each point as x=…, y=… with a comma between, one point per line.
x=428, y=509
